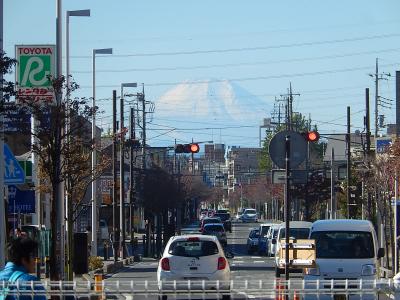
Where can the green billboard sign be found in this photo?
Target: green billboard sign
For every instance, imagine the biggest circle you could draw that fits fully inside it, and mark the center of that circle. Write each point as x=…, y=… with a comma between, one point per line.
x=35, y=67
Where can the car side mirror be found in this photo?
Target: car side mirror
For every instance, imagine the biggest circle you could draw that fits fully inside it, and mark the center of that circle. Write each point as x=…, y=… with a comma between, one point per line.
x=381, y=252
x=273, y=241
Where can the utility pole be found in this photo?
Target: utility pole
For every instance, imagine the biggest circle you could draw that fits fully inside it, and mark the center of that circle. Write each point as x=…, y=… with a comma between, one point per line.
x=121, y=179
x=368, y=148
x=287, y=205
x=114, y=169
x=333, y=202
x=3, y=233
x=131, y=174
x=348, y=155
x=376, y=97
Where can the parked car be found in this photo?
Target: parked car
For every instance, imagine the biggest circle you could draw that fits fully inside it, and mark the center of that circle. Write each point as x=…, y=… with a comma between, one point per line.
x=226, y=219
x=198, y=258
x=262, y=240
x=252, y=241
x=209, y=221
x=249, y=215
x=345, y=249
x=223, y=211
x=218, y=230
x=298, y=230
x=272, y=234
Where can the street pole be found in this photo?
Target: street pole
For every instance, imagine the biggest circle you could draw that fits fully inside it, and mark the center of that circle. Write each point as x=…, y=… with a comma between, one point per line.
x=333, y=204
x=94, y=151
x=68, y=201
x=348, y=156
x=396, y=186
x=3, y=233
x=121, y=178
x=114, y=171
x=368, y=148
x=94, y=160
x=58, y=255
x=131, y=174
x=287, y=206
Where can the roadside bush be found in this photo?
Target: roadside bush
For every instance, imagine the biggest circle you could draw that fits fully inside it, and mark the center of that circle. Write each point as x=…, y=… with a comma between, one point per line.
x=95, y=262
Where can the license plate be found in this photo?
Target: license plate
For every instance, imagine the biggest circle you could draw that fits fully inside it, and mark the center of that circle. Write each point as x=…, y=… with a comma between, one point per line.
x=339, y=297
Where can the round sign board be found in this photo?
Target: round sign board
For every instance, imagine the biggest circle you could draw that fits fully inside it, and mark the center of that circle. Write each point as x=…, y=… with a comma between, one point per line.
x=298, y=149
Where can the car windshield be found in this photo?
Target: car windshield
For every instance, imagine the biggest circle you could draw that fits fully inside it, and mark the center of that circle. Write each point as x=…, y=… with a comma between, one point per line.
x=296, y=233
x=343, y=244
x=254, y=234
x=193, y=248
x=223, y=216
x=276, y=230
x=213, y=228
x=250, y=211
x=264, y=230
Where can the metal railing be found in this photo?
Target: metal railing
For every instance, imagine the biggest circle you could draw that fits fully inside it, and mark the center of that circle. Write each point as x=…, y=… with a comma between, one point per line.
x=237, y=289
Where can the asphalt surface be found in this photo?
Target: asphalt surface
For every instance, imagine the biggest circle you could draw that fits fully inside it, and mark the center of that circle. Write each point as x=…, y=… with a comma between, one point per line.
x=243, y=266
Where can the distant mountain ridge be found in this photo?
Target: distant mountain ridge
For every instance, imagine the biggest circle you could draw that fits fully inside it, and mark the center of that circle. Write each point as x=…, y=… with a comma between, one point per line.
x=212, y=100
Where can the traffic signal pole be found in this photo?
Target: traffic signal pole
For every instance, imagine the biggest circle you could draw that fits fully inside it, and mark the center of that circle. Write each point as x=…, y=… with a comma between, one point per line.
x=131, y=180
x=121, y=178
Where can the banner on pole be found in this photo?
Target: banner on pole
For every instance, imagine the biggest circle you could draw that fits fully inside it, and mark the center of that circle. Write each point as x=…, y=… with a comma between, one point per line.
x=35, y=68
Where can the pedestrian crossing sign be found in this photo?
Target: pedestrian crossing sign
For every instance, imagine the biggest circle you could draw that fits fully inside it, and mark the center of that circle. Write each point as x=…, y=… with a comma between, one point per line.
x=13, y=172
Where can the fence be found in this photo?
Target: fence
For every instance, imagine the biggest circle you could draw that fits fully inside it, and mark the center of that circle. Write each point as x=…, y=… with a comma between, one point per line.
x=245, y=289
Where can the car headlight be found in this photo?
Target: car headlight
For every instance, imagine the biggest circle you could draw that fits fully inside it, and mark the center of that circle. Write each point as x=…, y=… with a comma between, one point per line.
x=312, y=271
x=368, y=270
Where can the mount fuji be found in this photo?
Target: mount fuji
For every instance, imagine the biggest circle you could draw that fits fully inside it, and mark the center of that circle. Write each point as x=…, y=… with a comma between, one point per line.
x=211, y=107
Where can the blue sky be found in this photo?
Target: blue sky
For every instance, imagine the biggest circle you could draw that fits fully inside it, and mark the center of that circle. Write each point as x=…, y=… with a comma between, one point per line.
x=325, y=48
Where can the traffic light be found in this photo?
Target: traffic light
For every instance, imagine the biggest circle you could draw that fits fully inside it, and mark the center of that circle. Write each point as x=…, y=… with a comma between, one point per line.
x=187, y=148
x=311, y=136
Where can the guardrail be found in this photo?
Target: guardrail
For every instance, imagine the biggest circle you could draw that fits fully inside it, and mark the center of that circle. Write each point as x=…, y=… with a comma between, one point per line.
x=235, y=289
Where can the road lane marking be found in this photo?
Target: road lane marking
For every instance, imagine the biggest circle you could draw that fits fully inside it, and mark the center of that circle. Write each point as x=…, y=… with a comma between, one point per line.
x=239, y=261
x=259, y=261
x=255, y=257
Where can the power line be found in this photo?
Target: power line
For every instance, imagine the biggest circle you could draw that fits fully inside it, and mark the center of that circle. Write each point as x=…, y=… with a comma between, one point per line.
x=254, y=78
x=326, y=42
x=259, y=63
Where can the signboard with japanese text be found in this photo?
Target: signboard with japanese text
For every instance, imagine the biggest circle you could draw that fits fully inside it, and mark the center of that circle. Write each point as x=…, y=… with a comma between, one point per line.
x=383, y=144
x=35, y=64
x=20, y=201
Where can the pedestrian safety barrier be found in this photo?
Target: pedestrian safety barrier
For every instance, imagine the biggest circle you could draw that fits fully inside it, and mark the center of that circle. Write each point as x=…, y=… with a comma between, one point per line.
x=294, y=289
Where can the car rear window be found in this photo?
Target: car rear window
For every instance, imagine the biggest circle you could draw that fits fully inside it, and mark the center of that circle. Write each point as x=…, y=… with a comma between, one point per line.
x=213, y=220
x=250, y=211
x=193, y=248
x=216, y=228
x=223, y=216
x=254, y=234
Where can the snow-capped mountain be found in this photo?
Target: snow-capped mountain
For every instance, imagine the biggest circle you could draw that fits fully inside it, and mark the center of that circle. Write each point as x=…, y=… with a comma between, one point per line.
x=212, y=100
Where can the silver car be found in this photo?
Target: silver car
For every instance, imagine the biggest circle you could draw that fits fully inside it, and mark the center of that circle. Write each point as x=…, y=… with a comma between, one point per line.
x=252, y=241
x=218, y=230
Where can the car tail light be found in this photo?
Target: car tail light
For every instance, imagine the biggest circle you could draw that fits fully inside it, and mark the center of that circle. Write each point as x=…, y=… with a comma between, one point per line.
x=165, y=264
x=221, y=263
x=193, y=239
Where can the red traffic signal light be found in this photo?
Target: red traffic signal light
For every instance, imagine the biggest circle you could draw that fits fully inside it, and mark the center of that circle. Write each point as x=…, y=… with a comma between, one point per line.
x=311, y=136
x=194, y=148
x=187, y=148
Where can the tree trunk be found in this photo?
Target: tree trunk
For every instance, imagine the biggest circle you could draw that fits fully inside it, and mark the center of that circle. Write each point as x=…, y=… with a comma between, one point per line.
x=70, y=249
x=54, y=273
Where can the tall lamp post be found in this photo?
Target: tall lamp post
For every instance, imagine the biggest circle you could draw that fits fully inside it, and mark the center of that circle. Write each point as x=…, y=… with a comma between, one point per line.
x=121, y=171
x=94, y=156
x=68, y=225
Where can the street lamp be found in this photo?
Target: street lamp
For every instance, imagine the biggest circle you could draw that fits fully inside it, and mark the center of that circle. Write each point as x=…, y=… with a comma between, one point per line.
x=69, y=13
x=121, y=172
x=94, y=159
x=72, y=13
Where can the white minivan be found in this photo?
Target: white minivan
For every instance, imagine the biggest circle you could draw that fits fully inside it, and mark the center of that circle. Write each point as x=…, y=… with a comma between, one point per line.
x=345, y=249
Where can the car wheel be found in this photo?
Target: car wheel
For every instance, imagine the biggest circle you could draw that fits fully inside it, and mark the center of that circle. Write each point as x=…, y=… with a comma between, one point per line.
x=278, y=272
x=226, y=297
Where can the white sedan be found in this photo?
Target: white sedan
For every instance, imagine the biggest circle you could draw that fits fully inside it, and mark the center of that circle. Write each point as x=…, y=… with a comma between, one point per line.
x=195, y=260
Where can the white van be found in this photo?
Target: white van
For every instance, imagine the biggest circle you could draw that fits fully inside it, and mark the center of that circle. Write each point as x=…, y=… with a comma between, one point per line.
x=346, y=249
x=297, y=230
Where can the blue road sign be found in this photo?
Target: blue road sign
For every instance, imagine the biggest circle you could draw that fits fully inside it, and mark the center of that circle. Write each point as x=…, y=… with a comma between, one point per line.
x=20, y=201
x=383, y=144
x=13, y=173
